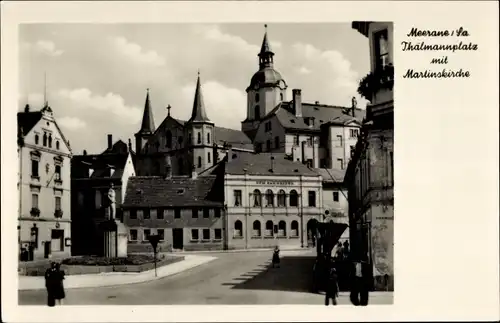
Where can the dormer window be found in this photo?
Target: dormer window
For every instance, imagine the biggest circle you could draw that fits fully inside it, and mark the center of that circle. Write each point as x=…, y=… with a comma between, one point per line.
x=57, y=145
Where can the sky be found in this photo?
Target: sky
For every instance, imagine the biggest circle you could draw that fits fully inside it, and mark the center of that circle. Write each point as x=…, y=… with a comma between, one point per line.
x=95, y=76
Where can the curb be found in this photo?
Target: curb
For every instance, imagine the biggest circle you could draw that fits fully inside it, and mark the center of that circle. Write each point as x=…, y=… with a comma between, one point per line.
x=239, y=250
x=115, y=278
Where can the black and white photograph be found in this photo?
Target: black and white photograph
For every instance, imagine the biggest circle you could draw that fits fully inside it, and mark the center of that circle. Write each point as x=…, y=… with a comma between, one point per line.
x=194, y=164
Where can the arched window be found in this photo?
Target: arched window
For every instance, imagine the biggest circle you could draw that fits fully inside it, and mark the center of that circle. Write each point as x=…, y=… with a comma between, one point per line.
x=282, y=229
x=295, y=229
x=238, y=229
x=45, y=139
x=269, y=198
x=269, y=228
x=257, y=112
x=168, y=137
x=199, y=161
x=294, y=198
x=57, y=145
x=37, y=138
x=257, y=198
x=257, y=97
x=281, y=96
x=208, y=138
x=281, y=198
x=50, y=141
x=199, y=137
x=256, y=229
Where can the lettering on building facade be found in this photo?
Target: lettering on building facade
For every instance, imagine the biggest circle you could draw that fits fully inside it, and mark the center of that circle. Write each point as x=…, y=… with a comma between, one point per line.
x=275, y=183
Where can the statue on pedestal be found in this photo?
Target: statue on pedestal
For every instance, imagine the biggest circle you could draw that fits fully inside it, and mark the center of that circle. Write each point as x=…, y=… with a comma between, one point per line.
x=111, y=203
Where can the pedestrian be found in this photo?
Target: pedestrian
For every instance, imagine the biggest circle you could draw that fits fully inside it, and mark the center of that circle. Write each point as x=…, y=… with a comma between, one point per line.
x=360, y=283
x=332, y=287
x=276, y=257
x=49, y=284
x=59, y=293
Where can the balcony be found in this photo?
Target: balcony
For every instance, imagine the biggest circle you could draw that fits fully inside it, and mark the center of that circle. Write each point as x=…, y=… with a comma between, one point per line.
x=380, y=79
x=58, y=213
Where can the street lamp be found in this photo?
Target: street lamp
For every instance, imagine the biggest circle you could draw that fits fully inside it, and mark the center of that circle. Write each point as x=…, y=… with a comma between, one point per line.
x=154, y=239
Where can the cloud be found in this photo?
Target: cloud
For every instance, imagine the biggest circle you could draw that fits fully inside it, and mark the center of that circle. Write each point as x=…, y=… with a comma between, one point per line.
x=72, y=123
x=225, y=106
x=136, y=53
x=45, y=47
x=303, y=70
x=215, y=34
x=110, y=103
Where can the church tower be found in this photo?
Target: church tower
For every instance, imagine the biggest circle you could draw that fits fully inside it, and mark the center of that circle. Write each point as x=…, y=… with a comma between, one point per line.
x=266, y=90
x=147, y=126
x=200, y=133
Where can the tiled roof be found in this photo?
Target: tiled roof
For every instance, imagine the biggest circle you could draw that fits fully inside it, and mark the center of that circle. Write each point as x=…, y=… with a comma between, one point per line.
x=236, y=138
x=331, y=175
x=182, y=191
x=101, y=164
x=321, y=113
x=260, y=164
x=27, y=120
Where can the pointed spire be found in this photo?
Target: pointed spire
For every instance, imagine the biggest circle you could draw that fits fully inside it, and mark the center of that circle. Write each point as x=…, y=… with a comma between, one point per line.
x=199, y=113
x=266, y=54
x=148, y=123
x=265, y=48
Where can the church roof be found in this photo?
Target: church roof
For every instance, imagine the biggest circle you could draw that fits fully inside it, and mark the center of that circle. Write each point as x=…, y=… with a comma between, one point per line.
x=148, y=123
x=198, y=113
x=178, y=191
x=265, y=48
x=27, y=120
x=265, y=76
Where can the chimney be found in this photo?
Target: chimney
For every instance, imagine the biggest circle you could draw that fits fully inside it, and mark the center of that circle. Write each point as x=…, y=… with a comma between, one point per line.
x=297, y=102
x=229, y=152
x=27, y=108
x=194, y=174
x=84, y=152
x=354, y=106
x=316, y=102
x=168, y=167
x=129, y=145
x=110, y=141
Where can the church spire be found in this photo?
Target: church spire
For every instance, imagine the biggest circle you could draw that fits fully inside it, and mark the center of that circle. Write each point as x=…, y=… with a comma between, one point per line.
x=148, y=123
x=266, y=54
x=198, y=113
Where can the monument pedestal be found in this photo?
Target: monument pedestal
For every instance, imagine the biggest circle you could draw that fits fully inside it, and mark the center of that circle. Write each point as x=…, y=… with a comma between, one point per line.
x=116, y=241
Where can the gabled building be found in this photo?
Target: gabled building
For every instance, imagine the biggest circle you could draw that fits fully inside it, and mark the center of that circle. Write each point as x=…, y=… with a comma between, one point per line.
x=91, y=179
x=370, y=174
x=44, y=156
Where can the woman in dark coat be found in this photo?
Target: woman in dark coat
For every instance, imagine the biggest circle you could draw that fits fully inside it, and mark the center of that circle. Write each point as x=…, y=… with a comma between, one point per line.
x=50, y=274
x=276, y=257
x=59, y=294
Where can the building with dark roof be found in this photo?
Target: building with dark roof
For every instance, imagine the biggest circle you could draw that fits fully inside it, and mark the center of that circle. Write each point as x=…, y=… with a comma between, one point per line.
x=187, y=212
x=91, y=179
x=44, y=156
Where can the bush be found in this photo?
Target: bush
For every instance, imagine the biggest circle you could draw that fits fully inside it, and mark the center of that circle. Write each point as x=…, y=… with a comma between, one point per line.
x=103, y=261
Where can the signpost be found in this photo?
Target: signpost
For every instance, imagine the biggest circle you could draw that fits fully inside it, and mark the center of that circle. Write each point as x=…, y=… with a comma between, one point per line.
x=154, y=239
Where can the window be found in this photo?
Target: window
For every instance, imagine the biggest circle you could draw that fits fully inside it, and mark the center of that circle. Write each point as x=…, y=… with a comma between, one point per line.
x=217, y=213
x=312, y=198
x=257, y=112
x=268, y=145
x=309, y=141
x=58, y=203
x=44, y=139
x=354, y=133
x=268, y=126
x=269, y=198
x=133, y=214
x=199, y=138
x=159, y=214
x=217, y=234
x=199, y=161
x=277, y=142
x=194, y=213
x=206, y=213
x=57, y=145
x=281, y=96
x=133, y=235
x=237, y=197
x=256, y=230
x=294, y=198
x=58, y=173
x=209, y=160
x=34, y=201
x=295, y=229
x=281, y=198
x=335, y=196
x=257, y=198
x=208, y=138
x=257, y=97
x=282, y=229
x=50, y=141
x=147, y=214
x=339, y=141
x=381, y=49
x=161, y=234
x=179, y=140
x=238, y=229
x=177, y=213
x=340, y=163
x=153, y=213
x=269, y=228
x=34, y=168
x=147, y=234
x=352, y=151
x=297, y=140
x=168, y=139
x=37, y=139
x=206, y=234
x=194, y=235
x=140, y=214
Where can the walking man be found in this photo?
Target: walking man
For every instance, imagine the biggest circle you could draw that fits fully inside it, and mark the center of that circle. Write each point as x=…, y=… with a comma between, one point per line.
x=332, y=287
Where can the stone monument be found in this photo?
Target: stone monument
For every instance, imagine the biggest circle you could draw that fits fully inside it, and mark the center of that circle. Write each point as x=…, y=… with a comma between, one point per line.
x=116, y=239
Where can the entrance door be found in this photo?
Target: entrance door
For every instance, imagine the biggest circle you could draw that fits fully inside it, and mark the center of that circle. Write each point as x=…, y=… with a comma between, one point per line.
x=178, y=239
x=46, y=249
